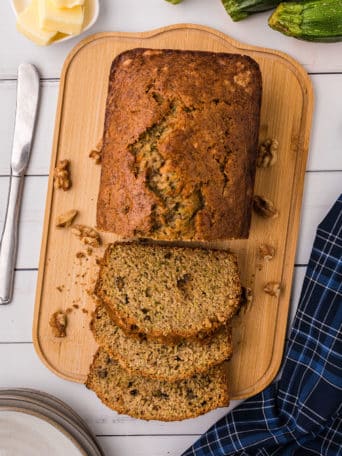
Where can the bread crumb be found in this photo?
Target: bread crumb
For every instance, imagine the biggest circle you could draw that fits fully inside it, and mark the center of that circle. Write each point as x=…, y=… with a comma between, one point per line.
x=76, y=306
x=273, y=289
x=264, y=207
x=87, y=235
x=80, y=255
x=61, y=175
x=84, y=311
x=68, y=310
x=58, y=323
x=96, y=153
x=89, y=251
x=246, y=298
x=66, y=219
x=60, y=288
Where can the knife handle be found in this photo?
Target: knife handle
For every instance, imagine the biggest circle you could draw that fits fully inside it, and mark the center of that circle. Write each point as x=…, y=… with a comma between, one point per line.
x=9, y=241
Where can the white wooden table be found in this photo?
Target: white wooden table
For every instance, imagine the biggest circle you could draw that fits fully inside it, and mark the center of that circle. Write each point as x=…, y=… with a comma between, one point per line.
x=19, y=365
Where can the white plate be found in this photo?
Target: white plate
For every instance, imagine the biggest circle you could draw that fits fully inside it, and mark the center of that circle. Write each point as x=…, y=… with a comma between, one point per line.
x=91, y=13
x=44, y=399
x=55, y=411
x=30, y=434
x=79, y=433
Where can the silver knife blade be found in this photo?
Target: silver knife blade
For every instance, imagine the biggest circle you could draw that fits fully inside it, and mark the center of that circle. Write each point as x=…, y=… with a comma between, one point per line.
x=27, y=103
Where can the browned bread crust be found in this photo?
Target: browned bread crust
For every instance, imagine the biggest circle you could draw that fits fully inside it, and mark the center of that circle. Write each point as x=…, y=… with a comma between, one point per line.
x=168, y=292
x=160, y=361
x=179, y=145
x=154, y=399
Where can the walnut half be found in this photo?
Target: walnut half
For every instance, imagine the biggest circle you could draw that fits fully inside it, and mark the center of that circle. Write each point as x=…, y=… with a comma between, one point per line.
x=267, y=153
x=266, y=252
x=264, y=207
x=87, y=235
x=272, y=288
x=61, y=175
x=66, y=219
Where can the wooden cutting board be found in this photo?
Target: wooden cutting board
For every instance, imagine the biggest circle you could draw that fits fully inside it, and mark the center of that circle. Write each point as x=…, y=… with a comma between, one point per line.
x=66, y=278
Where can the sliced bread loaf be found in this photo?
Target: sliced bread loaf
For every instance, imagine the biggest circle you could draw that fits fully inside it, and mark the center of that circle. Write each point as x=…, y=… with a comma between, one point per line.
x=153, y=359
x=153, y=399
x=168, y=292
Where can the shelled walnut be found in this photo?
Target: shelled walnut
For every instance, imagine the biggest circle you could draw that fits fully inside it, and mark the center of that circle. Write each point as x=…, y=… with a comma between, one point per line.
x=272, y=288
x=61, y=175
x=66, y=219
x=266, y=252
x=87, y=235
x=264, y=207
x=58, y=323
x=267, y=153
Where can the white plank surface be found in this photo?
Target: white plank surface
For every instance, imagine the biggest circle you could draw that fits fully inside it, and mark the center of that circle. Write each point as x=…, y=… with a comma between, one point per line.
x=20, y=366
x=146, y=446
x=326, y=136
x=325, y=153
x=320, y=192
x=137, y=15
x=315, y=205
x=31, y=218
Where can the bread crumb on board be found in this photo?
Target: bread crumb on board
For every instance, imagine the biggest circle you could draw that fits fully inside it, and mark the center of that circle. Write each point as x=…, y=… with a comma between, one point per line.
x=96, y=153
x=264, y=207
x=246, y=298
x=66, y=219
x=58, y=323
x=61, y=175
x=267, y=153
x=87, y=235
x=266, y=252
x=273, y=289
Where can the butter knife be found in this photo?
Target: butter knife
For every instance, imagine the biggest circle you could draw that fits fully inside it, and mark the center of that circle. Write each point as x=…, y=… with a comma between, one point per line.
x=26, y=111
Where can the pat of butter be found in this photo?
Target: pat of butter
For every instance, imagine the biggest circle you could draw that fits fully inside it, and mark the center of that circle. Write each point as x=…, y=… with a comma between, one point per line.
x=64, y=20
x=28, y=25
x=68, y=3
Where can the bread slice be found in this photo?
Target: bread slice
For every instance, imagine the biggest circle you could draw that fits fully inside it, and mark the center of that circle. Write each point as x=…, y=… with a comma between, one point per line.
x=168, y=292
x=153, y=359
x=150, y=399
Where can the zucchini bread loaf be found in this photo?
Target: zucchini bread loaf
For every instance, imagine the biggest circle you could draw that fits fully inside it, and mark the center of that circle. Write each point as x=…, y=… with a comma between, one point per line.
x=154, y=399
x=179, y=145
x=168, y=292
x=153, y=359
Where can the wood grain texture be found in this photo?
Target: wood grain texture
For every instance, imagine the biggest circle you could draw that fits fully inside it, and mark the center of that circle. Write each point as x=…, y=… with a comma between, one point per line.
x=286, y=115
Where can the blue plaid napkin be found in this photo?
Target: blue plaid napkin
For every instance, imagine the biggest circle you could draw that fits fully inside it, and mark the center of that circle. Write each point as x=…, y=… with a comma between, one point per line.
x=301, y=413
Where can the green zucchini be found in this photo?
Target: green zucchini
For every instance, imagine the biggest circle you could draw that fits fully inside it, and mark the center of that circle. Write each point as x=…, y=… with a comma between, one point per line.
x=310, y=20
x=174, y=2
x=239, y=9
